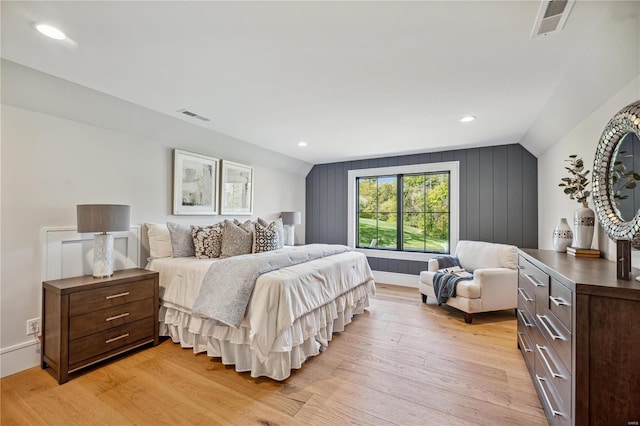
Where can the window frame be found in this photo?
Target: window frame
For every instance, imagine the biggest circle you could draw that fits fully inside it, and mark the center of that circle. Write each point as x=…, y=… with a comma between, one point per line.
x=452, y=167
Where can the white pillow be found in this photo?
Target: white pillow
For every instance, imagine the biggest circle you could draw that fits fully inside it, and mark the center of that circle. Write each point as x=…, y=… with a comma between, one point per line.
x=159, y=240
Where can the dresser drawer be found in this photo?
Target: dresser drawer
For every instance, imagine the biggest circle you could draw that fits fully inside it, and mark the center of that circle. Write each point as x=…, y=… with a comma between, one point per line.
x=110, y=340
x=533, y=280
x=560, y=300
x=558, y=410
x=86, y=301
x=104, y=319
x=526, y=299
x=556, y=335
x=526, y=319
x=526, y=346
x=549, y=365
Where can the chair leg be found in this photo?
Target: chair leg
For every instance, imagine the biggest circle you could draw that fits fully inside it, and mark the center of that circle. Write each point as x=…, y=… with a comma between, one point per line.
x=468, y=318
x=424, y=298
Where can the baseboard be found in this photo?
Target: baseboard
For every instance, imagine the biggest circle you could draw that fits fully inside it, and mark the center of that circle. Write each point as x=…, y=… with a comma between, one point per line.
x=395, y=278
x=19, y=357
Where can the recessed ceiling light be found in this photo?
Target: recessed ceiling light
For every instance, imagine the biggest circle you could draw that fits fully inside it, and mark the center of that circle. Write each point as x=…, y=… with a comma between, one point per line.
x=50, y=31
x=467, y=118
x=302, y=143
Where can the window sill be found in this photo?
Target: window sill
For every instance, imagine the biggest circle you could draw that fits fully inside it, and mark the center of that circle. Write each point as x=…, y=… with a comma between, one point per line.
x=402, y=255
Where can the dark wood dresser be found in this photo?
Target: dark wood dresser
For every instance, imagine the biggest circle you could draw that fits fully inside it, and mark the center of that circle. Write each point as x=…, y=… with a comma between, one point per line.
x=86, y=320
x=579, y=333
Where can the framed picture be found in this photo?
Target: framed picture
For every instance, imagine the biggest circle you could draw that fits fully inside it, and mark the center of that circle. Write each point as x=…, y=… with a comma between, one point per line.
x=236, y=189
x=195, y=183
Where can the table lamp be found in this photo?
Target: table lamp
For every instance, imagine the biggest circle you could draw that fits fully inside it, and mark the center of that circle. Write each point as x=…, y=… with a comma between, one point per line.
x=103, y=218
x=289, y=219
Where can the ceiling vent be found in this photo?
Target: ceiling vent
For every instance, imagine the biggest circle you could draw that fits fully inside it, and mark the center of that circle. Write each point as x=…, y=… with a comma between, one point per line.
x=193, y=114
x=551, y=17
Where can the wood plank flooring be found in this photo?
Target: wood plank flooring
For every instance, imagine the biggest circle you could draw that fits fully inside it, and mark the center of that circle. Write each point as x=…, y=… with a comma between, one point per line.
x=400, y=363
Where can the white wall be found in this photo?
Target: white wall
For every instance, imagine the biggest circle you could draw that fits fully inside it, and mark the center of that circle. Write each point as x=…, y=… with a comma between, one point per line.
x=62, y=145
x=582, y=140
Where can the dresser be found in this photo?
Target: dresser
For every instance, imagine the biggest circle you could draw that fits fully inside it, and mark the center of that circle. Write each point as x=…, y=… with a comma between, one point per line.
x=579, y=334
x=86, y=320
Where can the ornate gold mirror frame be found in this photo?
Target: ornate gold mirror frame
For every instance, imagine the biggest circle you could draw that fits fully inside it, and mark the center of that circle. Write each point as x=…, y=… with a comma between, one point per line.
x=627, y=120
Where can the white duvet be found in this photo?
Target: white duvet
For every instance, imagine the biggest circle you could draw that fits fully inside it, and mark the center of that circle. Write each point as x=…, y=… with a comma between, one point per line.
x=279, y=298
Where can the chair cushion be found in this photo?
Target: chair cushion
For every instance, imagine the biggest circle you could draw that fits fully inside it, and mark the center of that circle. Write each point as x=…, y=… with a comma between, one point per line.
x=478, y=254
x=466, y=288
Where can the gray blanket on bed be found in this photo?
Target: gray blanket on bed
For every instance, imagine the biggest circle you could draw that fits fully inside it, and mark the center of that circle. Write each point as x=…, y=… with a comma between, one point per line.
x=228, y=284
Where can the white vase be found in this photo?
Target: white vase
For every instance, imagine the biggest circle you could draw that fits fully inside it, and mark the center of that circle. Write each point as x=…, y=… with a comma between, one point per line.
x=562, y=236
x=583, y=224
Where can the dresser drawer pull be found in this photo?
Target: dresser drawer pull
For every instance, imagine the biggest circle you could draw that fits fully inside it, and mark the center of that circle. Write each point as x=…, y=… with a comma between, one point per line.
x=113, y=296
x=521, y=267
x=118, y=338
x=524, y=295
x=534, y=280
x=559, y=301
x=554, y=412
x=546, y=362
x=544, y=320
x=524, y=319
x=126, y=314
x=522, y=343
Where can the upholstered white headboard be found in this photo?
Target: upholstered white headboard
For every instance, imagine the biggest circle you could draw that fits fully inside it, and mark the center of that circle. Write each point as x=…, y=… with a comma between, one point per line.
x=67, y=253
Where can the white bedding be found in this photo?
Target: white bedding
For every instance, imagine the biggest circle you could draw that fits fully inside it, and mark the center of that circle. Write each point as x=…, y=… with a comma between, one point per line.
x=291, y=316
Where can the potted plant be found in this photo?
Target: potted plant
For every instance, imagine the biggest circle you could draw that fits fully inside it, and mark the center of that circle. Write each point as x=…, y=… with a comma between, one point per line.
x=575, y=186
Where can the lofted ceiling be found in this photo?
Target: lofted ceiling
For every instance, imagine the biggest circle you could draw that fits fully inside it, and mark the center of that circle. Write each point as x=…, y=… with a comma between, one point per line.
x=352, y=79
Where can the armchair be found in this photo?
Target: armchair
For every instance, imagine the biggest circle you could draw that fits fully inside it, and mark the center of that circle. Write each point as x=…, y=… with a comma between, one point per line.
x=494, y=285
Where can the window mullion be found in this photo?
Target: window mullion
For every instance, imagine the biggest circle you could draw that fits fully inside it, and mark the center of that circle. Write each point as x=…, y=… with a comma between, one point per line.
x=400, y=213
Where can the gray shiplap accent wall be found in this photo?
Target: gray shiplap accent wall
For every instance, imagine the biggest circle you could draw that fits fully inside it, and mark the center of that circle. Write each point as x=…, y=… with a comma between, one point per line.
x=498, y=198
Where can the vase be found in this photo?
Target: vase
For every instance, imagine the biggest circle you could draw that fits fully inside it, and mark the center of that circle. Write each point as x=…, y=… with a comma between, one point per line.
x=583, y=224
x=562, y=236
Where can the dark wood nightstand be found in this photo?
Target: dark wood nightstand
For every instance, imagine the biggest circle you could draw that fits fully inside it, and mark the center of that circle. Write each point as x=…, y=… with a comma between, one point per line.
x=86, y=320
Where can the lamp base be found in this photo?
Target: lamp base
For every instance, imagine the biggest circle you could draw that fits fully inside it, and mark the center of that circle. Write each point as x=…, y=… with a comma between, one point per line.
x=289, y=238
x=103, y=255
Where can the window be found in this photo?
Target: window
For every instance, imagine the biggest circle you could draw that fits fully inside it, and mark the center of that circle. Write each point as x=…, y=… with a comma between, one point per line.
x=405, y=211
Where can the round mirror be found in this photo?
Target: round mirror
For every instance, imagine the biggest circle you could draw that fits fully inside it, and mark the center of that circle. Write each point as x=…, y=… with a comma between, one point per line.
x=624, y=177
x=614, y=198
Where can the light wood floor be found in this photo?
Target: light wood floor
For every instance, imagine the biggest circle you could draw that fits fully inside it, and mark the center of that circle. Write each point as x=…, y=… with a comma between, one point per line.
x=402, y=362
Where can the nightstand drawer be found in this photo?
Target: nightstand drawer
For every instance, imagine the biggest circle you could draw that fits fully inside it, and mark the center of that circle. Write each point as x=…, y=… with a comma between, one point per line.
x=86, y=301
x=94, y=322
x=110, y=340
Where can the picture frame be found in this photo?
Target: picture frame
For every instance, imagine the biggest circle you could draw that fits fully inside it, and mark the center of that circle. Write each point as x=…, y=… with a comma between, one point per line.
x=195, y=183
x=236, y=189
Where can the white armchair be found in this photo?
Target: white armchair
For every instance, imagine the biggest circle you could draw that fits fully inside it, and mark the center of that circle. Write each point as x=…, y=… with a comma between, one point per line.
x=494, y=285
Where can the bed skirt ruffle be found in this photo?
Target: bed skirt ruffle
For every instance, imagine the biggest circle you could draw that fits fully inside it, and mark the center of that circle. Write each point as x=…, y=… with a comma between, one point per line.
x=306, y=337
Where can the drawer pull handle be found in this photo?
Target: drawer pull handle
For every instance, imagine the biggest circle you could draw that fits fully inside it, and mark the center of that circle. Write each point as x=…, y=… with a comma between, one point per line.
x=524, y=319
x=554, y=412
x=117, y=338
x=544, y=320
x=524, y=295
x=126, y=314
x=113, y=296
x=521, y=267
x=559, y=301
x=546, y=362
x=534, y=280
x=522, y=343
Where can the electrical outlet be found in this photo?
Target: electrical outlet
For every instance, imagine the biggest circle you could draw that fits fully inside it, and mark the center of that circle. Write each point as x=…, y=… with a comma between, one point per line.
x=33, y=326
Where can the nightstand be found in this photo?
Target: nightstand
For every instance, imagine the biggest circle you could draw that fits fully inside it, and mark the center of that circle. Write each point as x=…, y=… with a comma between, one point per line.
x=86, y=320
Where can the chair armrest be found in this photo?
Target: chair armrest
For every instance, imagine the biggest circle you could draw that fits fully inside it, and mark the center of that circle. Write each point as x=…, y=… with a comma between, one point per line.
x=433, y=265
x=497, y=284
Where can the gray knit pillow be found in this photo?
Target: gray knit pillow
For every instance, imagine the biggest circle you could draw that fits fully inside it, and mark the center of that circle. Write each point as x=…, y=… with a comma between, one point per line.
x=265, y=238
x=207, y=240
x=236, y=240
x=181, y=240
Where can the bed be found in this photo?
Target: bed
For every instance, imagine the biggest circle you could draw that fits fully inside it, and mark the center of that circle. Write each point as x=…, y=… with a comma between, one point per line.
x=290, y=317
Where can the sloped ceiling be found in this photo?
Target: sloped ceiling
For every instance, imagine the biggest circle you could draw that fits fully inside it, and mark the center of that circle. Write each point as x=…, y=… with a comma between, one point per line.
x=352, y=79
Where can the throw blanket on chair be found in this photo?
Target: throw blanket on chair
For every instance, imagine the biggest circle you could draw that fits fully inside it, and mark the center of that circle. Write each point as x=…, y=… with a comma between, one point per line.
x=228, y=284
x=444, y=285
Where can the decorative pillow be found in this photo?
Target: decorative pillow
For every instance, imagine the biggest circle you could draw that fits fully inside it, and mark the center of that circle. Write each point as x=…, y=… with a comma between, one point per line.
x=265, y=238
x=181, y=240
x=236, y=239
x=207, y=240
x=279, y=229
x=159, y=240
